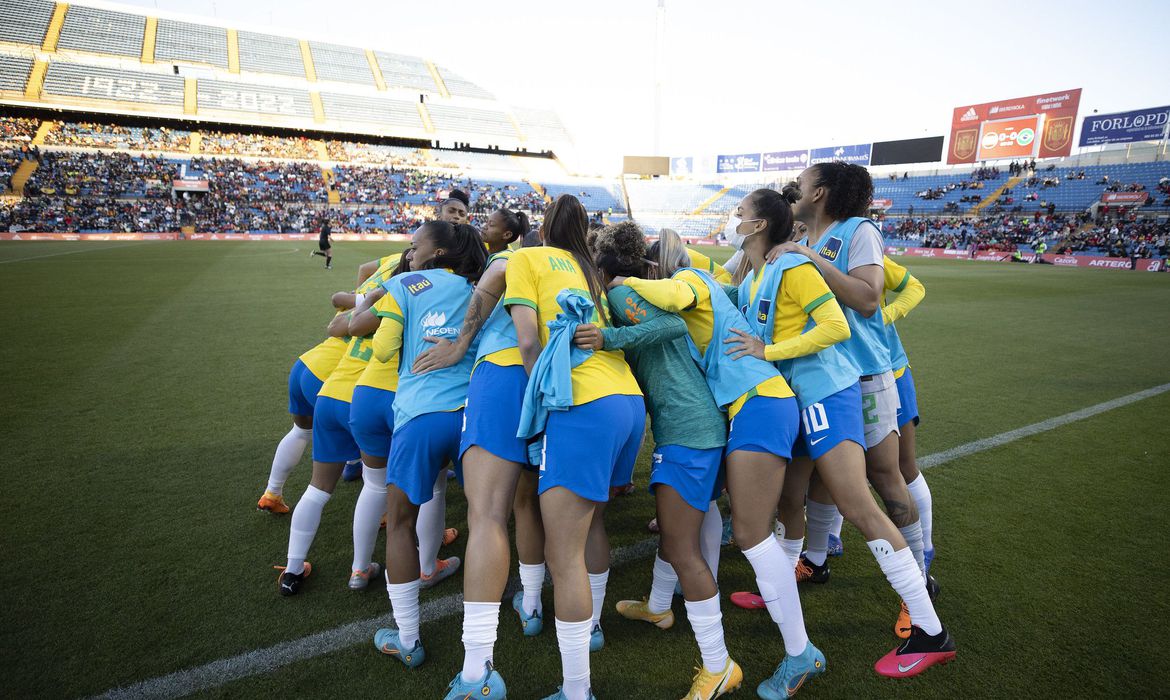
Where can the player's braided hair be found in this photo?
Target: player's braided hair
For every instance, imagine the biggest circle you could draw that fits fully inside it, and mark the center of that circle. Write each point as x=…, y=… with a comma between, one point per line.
x=850, y=189
x=621, y=250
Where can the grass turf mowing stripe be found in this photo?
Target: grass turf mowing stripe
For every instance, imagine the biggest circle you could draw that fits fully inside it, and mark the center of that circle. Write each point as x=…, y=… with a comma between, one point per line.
x=72, y=252
x=223, y=671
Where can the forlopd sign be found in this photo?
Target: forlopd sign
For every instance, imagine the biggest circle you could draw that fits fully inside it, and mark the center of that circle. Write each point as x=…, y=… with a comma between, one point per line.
x=1125, y=127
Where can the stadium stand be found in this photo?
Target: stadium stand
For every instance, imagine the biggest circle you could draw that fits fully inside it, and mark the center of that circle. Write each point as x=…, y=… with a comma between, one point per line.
x=470, y=120
x=257, y=99
x=90, y=135
x=25, y=21
x=470, y=161
x=373, y=110
x=221, y=143
x=459, y=86
x=195, y=43
x=102, y=31
x=119, y=175
x=345, y=64
x=14, y=72
x=268, y=53
x=541, y=125
x=408, y=72
x=101, y=84
x=593, y=196
x=375, y=154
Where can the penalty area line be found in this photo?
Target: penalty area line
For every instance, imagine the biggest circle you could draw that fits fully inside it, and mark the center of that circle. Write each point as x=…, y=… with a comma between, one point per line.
x=258, y=661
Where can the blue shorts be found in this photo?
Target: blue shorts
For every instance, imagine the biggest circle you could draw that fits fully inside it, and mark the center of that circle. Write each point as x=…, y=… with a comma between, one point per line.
x=332, y=441
x=422, y=448
x=593, y=446
x=494, y=400
x=908, y=396
x=303, y=386
x=697, y=475
x=830, y=422
x=765, y=424
x=371, y=420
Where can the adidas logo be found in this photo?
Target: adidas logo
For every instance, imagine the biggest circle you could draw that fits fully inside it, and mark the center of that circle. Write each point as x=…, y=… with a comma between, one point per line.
x=969, y=115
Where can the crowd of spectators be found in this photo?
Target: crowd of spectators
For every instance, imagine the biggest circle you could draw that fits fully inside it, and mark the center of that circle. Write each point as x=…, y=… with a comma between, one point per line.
x=78, y=214
x=1139, y=238
x=1005, y=232
x=91, y=135
x=112, y=175
x=235, y=144
x=16, y=133
x=232, y=179
x=373, y=154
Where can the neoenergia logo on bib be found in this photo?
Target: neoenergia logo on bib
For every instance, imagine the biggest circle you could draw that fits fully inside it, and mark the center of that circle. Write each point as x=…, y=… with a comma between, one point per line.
x=434, y=324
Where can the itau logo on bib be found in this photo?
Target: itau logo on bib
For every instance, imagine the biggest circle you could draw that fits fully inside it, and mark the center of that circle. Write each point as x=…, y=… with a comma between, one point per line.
x=831, y=248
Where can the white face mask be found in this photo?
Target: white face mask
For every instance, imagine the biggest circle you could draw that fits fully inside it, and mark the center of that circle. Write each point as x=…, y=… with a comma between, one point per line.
x=734, y=237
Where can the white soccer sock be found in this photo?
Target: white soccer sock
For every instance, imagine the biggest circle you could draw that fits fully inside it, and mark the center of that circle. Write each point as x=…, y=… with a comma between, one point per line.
x=913, y=535
x=920, y=492
x=431, y=525
x=597, y=588
x=404, y=605
x=820, y=521
x=288, y=454
x=707, y=622
x=661, y=588
x=306, y=518
x=777, y=582
x=480, y=622
x=367, y=516
x=711, y=538
x=906, y=579
x=573, y=640
x=532, y=579
x=838, y=521
x=792, y=550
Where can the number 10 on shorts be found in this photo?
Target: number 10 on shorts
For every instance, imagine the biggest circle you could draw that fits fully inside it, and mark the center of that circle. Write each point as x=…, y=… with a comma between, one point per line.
x=814, y=419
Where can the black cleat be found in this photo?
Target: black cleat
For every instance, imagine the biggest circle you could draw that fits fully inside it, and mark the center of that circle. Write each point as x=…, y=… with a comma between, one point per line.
x=290, y=583
x=932, y=588
x=808, y=571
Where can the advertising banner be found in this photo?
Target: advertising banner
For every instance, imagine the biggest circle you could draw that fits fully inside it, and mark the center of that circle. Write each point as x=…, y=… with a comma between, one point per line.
x=53, y=236
x=1059, y=110
x=739, y=163
x=682, y=166
x=1125, y=127
x=881, y=204
x=1009, y=138
x=924, y=150
x=1143, y=264
x=785, y=160
x=1123, y=197
x=857, y=155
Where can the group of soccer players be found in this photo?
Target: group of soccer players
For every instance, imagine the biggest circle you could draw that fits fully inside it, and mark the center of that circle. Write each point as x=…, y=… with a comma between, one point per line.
x=778, y=378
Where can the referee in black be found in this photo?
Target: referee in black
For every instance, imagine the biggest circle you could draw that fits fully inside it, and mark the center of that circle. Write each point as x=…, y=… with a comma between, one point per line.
x=325, y=244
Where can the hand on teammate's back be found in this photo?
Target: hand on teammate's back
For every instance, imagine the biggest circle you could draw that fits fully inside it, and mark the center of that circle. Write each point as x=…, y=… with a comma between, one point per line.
x=588, y=337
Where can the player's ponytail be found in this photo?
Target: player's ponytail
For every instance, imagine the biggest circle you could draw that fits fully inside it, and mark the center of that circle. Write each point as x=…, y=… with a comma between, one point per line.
x=515, y=223
x=565, y=225
x=669, y=253
x=776, y=209
x=463, y=251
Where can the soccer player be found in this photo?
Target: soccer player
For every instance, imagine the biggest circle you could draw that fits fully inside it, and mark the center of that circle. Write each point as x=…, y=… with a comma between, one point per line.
x=588, y=447
x=453, y=209
x=325, y=245
x=690, y=433
x=428, y=408
x=848, y=251
x=764, y=422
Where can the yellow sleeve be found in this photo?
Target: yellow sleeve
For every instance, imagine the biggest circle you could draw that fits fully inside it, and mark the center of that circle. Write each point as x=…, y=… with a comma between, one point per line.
x=520, y=283
x=908, y=291
x=388, y=337
x=804, y=285
x=671, y=295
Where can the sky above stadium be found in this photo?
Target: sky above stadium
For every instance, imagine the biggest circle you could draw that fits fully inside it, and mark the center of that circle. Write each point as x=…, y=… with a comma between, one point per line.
x=750, y=75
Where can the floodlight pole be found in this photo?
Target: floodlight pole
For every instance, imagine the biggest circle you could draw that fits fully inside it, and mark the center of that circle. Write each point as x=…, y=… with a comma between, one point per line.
x=659, y=48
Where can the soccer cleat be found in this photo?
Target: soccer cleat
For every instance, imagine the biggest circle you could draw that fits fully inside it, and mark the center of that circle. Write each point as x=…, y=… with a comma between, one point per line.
x=928, y=557
x=652, y=526
x=596, y=638
x=728, y=537
x=328, y=267
x=902, y=625
x=808, y=571
x=560, y=695
x=387, y=641
x=290, y=583
x=748, y=601
x=836, y=549
x=490, y=685
x=450, y=535
x=353, y=469
x=443, y=569
x=792, y=673
x=273, y=503
x=918, y=653
x=359, y=580
x=708, y=685
x=932, y=588
x=640, y=610
x=531, y=624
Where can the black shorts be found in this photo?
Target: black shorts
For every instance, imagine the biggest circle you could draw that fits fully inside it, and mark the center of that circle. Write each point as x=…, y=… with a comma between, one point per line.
x=324, y=245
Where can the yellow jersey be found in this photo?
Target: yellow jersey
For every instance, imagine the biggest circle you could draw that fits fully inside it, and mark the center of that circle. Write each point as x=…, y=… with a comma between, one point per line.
x=353, y=362
x=802, y=290
x=508, y=357
x=702, y=262
x=381, y=375
x=534, y=278
x=323, y=357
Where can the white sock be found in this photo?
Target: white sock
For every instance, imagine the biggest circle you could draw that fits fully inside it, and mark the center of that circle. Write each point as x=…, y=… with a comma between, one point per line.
x=707, y=622
x=711, y=538
x=913, y=535
x=792, y=550
x=906, y=578
x=820, y=521
x=480, y=621
x=661, y=588
x=597, y=587
x=573, y=640
x=367, y=516
x=431, y=525
x=532, y=579
x=777, y=582
x=306, y=518
x=838, y=521
x=920, y=492
x=404, y=605
x=288, y=454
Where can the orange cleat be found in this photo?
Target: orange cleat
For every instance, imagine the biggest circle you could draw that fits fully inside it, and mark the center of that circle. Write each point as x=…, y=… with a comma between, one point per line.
x=450, y=535
x=902, y=626
x=273, y=503
x=443, y=569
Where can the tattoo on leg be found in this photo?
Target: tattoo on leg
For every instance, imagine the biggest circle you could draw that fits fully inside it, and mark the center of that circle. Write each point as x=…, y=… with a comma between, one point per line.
x=899, y=513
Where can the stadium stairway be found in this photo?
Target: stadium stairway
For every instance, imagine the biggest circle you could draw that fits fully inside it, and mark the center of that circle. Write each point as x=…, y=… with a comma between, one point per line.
x=994, y=196
x=196, y=142
x=23, y=172
x=331, y=192
x=43, y=132
x=539, y=190
x=710, y=200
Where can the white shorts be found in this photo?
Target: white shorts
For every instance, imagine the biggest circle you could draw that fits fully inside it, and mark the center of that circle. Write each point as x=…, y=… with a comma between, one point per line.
x=879, y=407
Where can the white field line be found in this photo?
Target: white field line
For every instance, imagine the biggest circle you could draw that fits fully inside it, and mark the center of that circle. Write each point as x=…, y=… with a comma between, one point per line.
x=73, y=252
x=257, y=661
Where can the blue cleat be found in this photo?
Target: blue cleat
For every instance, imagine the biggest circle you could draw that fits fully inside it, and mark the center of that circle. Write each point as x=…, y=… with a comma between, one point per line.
x=792, y=673
x=596, y=639
x=927, y=558
x=728, y=538
x=560, y=695
x=836, y=549
x=387, y=641
x=352, y=471
x=531, y=624
x=491, y=685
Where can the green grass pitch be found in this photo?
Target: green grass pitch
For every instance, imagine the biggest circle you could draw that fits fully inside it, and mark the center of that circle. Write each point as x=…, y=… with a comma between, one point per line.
x=145, y=391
